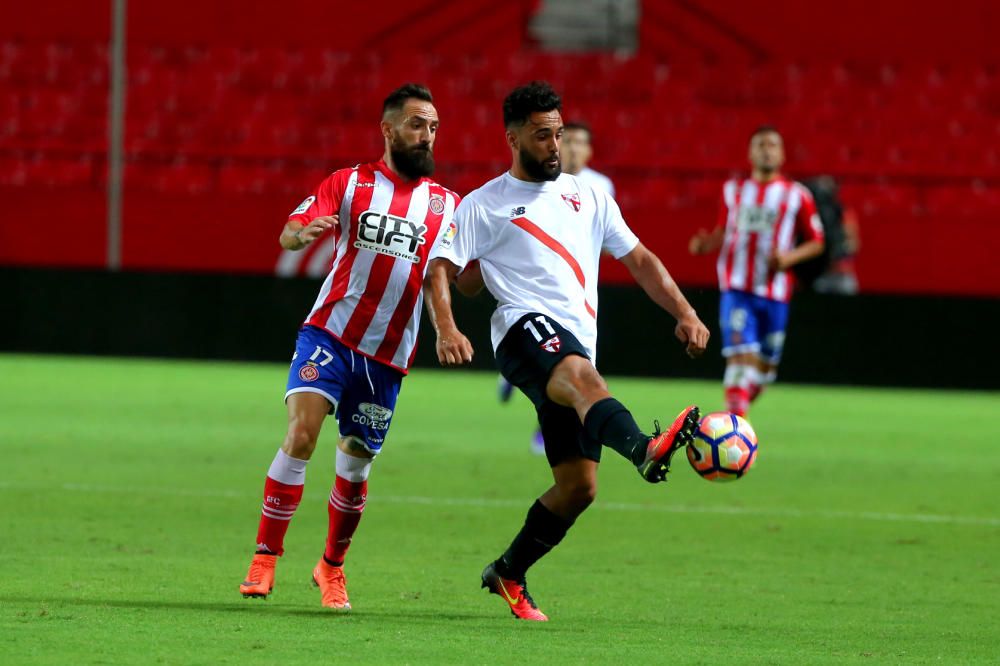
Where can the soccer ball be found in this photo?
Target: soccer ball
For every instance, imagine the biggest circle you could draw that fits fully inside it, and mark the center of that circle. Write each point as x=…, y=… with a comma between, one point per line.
x=724, y=447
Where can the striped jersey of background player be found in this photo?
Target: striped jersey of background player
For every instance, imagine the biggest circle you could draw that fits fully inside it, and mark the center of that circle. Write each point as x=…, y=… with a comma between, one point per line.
x=767, y=224
x=357, y=342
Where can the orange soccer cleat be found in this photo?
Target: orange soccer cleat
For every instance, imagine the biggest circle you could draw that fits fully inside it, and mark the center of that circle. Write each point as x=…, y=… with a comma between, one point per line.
x=663, y=446
x=260, y=578
x=515, y=593
x=332, y=585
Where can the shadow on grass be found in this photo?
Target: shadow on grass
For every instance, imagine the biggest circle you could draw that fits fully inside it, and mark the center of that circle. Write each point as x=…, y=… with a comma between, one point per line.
x=252, y=606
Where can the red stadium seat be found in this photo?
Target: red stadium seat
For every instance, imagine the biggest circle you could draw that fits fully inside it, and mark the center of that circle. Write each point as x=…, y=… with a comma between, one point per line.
x=907, y=140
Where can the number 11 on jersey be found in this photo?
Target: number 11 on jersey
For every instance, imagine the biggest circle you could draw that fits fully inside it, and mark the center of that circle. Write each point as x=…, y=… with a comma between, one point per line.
x=534, y=331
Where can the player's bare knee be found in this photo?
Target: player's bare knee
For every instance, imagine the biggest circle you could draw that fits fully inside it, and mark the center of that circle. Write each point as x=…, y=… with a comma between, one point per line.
x=574, y=380
x=578, y=493
x=582, y=494
x=743, y=359
x=300, y=441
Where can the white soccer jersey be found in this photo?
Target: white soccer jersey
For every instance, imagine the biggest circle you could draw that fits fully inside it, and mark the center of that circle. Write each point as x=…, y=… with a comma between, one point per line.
x=538, y=246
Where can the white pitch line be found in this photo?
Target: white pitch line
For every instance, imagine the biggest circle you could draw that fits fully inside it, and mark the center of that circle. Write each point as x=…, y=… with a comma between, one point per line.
x=484, y=502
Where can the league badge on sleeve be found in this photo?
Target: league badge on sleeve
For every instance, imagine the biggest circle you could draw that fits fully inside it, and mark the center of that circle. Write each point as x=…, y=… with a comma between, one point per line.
x=304, y=206
x=449, y=235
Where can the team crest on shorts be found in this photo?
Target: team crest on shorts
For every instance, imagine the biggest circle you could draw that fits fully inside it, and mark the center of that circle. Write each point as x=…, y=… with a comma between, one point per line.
x=572, y=200
x=308, y=373
x=552, y=345
x=436, y=204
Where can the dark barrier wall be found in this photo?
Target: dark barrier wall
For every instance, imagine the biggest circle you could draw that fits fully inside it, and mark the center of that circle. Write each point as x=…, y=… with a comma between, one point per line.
x=875, y=340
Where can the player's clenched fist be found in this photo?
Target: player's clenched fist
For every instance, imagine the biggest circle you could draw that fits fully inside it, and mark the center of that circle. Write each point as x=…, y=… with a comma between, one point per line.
x=453, y=349
x=693, y=334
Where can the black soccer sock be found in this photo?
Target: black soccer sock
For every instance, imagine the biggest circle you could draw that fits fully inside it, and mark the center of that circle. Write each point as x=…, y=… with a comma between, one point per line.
x=542, y=531
x=610, y=423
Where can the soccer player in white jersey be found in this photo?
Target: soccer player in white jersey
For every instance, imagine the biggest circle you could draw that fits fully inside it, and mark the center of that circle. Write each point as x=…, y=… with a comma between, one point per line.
x=538, y=235
x=575, y=152
x=767, y=224
x=359, y=339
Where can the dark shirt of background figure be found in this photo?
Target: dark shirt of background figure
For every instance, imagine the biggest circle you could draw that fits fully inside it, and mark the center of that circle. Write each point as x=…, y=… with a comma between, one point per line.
x=834, y=271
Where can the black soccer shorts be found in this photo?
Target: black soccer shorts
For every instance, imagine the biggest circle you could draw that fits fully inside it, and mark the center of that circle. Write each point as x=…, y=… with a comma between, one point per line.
x=526, y=357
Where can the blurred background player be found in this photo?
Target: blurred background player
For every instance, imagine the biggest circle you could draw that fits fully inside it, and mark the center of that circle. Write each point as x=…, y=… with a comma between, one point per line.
x=836, y=270
x=538, y=235
x=357, y=342
x=575, y=150
x=767, y=225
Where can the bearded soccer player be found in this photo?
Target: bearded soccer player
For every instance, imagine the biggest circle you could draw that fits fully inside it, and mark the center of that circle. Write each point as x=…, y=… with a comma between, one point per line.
x=357, y=342
x=575, y=151
x=538, y=235
x=767, y=224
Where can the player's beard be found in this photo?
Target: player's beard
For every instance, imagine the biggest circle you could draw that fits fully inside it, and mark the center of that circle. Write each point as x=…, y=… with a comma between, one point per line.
x=414, y=161
x=538, y=170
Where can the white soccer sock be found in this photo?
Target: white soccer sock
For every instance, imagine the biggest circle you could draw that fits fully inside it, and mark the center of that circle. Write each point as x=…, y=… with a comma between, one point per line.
x=737, y=375
x=351, y=468
x=288, y=470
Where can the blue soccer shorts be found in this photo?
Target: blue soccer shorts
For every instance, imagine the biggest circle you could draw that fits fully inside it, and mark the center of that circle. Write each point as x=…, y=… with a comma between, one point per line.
x=362, y=392
x=752, y=324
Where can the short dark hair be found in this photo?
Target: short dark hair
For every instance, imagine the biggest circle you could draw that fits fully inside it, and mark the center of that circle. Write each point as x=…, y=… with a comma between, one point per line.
x=527, y=99
x=579, y=126
x=397, y=98
x=764, y=129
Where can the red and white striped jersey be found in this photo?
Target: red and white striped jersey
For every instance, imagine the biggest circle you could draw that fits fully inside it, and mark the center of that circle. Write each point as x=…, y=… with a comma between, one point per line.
x=760, y=219
x=371, y=298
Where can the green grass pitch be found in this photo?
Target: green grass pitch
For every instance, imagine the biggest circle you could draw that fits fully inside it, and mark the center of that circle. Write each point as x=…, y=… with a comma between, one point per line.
x=868, y=531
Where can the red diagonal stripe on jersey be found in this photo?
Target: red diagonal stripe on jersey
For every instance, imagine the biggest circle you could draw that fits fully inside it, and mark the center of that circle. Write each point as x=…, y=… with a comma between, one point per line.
x=378, y=276
x=557, y=247
x=404, y=311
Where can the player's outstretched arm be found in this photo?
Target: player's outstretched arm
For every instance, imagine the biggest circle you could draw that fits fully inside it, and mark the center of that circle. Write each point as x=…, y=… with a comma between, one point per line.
x=652, y=276
x=453, y=348
x=782, y=261
x=295, y=236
